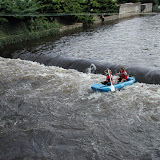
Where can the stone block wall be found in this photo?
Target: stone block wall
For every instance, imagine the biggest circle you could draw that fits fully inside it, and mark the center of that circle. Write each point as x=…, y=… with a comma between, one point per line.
x=146, y=7
x=129, y=9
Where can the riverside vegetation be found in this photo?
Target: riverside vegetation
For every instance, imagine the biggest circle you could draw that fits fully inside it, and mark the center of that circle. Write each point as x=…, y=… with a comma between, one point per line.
x=30, y=19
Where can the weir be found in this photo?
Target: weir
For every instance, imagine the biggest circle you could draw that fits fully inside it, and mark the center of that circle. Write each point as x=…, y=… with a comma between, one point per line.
x=141, y=74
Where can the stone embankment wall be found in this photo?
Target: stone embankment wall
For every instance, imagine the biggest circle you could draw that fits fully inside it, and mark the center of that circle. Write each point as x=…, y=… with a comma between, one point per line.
x=146, y=7
x=131, y=9
x=128, y=10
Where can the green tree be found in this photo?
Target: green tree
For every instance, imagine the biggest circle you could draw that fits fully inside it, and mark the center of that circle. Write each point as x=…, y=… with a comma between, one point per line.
x=78, y=10
x=155, y=2
x=18, y=8
x=103, y=6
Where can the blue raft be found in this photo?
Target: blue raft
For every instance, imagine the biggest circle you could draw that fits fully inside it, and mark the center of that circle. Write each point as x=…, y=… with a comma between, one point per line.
x=104, y=88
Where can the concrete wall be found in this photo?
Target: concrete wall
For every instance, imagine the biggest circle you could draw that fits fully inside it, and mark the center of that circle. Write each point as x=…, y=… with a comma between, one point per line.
x=107, y=18
x=146, y=7
x=129, y=9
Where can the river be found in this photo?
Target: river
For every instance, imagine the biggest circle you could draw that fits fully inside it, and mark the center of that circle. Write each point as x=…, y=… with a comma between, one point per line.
x=48, y=110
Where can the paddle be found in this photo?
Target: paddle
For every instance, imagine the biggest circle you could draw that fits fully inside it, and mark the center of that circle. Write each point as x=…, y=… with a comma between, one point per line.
x=112, y=87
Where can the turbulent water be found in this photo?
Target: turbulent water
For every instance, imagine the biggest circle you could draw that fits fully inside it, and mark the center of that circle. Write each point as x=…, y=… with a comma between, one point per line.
x=51, y=113
x=48, y=112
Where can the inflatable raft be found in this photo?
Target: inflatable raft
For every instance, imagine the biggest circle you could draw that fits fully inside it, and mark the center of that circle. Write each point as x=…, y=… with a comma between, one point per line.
x=104, y=88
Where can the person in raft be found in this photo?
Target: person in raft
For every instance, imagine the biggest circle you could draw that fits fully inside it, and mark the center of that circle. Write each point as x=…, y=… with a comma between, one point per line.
x=109, y=78
x=122, y=75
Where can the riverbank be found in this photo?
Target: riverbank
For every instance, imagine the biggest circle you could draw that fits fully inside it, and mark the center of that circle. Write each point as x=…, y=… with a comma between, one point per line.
x=15, y=33
x=19, y=32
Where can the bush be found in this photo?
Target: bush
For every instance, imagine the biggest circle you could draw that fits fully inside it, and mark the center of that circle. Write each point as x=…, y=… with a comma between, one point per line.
x=3, y=20
x=41, y=23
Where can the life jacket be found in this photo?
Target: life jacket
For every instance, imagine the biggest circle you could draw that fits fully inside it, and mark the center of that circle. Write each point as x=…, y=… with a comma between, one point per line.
x=123, y=76
x=108, y=78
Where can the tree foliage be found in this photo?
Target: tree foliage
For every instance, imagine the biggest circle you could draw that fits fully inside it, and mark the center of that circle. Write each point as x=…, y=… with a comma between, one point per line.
x=18, y=7
x=155, y=2
x=73, y=10
x=78, y=9
x=77, y=6
x=103, y=6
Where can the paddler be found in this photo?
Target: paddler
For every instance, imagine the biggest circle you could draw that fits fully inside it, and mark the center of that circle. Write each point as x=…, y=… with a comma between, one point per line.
x=122, y=75
x=109, y=78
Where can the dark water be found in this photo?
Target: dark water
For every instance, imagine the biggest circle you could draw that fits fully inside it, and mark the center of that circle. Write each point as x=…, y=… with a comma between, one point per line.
x=51, y=113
